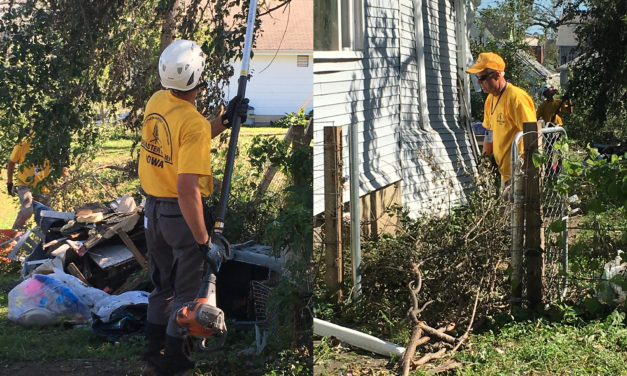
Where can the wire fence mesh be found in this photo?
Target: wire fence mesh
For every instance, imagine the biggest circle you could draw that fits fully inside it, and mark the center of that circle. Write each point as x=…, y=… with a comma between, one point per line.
x=554, y=207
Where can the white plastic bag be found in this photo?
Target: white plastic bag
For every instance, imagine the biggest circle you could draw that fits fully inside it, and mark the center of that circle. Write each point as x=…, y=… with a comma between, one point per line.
x=43, y=300
x=106, y=306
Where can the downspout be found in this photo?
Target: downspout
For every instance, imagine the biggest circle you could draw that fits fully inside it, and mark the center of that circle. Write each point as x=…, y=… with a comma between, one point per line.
x=420, y=63
x=356, y=338
x=462, y=61
x=353, y=165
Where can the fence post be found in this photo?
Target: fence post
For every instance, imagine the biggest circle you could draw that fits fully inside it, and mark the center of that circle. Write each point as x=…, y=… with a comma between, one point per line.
x=517, y=221
x=533, y=221
x=333, y=210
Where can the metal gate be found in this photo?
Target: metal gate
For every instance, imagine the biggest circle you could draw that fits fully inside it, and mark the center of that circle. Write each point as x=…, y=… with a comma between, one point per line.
x=554, y=206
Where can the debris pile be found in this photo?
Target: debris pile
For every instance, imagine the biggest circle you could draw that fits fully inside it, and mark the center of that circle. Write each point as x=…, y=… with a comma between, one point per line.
x=101, y=246
x=87, y=266
x=80, y=267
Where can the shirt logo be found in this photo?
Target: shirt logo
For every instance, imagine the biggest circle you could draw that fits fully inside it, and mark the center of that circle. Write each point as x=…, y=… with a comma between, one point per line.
x=159, y=144
x=500, y=118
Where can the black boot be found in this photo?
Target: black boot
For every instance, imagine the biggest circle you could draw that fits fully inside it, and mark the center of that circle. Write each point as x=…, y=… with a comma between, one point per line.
x=176, y=360
x=155, y=337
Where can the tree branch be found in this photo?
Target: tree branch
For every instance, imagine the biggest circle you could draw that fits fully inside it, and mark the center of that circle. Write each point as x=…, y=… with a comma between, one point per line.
x=275, y=8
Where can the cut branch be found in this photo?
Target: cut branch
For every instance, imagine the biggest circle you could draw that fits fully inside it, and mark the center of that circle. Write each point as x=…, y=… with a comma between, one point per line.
x=430, y=356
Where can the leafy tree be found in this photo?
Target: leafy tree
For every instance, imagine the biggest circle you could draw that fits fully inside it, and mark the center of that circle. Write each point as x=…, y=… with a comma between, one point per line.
x=509, y=19
x=598, y=84
x=65, y=59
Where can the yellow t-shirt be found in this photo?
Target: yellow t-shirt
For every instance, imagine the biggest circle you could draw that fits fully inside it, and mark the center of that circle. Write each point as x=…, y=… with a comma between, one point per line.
x=547, y=109
x=176, y=139
x=30, y=176
x=505, y=117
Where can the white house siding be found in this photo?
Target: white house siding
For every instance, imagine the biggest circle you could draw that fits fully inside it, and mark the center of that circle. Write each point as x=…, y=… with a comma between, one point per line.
x=436, y=153
x=362, y=91
x=424, y=145
x=277, y=86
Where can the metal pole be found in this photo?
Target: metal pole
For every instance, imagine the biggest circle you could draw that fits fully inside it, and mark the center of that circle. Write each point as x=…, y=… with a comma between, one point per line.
x=353, y=164
x=241, y=91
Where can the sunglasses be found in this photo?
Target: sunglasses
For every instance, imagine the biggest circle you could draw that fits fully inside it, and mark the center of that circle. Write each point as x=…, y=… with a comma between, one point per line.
x=483, y=77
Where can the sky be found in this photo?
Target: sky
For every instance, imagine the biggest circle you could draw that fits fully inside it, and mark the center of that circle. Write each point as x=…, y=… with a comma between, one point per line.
x=486, y=3
x=532, y=30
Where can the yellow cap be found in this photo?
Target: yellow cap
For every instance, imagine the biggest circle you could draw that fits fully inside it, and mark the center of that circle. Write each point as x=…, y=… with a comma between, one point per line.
x=487, y=60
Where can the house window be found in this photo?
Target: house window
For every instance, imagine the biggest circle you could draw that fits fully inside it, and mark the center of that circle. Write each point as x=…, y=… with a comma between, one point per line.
x=338, y=25
x=302, y=61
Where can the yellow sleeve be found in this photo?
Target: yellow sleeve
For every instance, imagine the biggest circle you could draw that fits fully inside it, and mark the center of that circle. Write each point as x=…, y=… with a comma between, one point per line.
x=486, y=113
x=524, y=111
x=195, y=150
x=19, y=152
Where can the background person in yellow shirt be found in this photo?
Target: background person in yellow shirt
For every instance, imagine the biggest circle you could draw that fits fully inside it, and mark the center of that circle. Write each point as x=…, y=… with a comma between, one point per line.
x=551, y=108
x=28, y=178
x=505, y=110
x=175, y=174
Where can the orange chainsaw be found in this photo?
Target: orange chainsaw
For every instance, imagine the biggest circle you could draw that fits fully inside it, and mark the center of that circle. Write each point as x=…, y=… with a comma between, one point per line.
x=202, y=318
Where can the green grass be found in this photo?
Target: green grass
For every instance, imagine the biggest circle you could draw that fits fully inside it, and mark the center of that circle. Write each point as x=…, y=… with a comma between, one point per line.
x=8, y=205
x=539, y=347
x=544, y=348
x=25, y=343
x=51, y=345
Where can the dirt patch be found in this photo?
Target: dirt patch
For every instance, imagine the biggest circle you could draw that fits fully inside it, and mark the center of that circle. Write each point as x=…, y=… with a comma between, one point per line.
x=341, y=359
x=84, y=367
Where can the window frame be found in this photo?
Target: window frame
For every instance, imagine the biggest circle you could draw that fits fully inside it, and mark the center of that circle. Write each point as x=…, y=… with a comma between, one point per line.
x=355, y=25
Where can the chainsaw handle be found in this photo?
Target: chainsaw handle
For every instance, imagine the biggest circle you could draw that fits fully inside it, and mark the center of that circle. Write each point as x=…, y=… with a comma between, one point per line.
x=218, y=345
x=219, y=240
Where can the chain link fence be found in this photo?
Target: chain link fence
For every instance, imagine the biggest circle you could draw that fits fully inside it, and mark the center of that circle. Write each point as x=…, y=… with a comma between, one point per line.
x=554, y=207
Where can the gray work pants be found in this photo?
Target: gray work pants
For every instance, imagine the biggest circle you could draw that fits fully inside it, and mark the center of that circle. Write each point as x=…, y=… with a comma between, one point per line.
x=26, y=205
x=176, y=265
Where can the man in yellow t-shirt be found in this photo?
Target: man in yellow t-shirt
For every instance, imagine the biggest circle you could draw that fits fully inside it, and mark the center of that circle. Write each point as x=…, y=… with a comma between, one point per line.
x=175, y=174
x=551, y=108
x=505, y=110
x=28, y=178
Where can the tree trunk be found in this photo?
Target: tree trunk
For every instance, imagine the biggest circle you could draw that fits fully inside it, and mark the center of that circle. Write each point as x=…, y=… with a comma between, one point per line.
x=168, y=31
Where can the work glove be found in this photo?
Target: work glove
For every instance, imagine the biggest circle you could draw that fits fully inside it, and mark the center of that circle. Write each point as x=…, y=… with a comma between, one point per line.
x=236, y=107
x=10, y=188
x=213, y=256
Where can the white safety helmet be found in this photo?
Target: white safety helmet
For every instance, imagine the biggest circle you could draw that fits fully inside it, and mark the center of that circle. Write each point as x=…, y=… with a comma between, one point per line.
x=545, y=87
x=181, y=65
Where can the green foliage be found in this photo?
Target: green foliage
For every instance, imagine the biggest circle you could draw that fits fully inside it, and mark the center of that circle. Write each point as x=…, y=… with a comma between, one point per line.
x=9, y=267
x=457, y=252
x=542, y=347
x=598, y=183
x=290, y=363
x=507, y=19
x=289, y=232
x=598, y=86
x=64, y=59
x=603, y=183
x=291, y=119
x=49, y=81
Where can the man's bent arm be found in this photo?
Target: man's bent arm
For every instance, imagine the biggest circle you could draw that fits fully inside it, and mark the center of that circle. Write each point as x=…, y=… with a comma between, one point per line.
x=10, y=169
x=190, y=202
